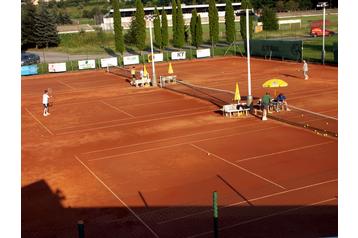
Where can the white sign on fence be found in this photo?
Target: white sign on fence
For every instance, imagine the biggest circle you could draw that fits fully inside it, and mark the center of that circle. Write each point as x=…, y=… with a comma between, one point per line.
x=109, y=62
x=157, y=57
x=86, y=64
x=57, y=67
x=178, y=55
x=202, y=53
x=132, y=59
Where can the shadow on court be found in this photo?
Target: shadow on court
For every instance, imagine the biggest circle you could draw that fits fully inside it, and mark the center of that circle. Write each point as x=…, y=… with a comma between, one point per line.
x=43, y=215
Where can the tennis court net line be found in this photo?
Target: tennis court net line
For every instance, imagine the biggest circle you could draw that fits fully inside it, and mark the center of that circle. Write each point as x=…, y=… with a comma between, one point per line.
x=218, y=97
x=122, y=71
x=316, y=122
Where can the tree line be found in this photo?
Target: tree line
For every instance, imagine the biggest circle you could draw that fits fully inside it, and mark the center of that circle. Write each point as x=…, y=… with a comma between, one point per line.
x=39, y=26
x=136, y=35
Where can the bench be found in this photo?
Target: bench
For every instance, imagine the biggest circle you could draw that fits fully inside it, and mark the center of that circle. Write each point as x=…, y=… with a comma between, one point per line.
x=140, y=82
x=232, y=109
x=167, y=79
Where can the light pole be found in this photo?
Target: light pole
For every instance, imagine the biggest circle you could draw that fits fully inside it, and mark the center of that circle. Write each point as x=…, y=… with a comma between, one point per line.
x=240, y=13
x=150, y=19
x=324, y=5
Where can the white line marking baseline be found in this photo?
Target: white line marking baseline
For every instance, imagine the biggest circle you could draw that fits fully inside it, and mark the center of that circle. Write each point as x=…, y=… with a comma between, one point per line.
x=174, y=145
x=116, y=196
x=251, y=200
x=117, y=109
x=284, y=151
x=48, y=130
x=264, y=217
x=237, y=166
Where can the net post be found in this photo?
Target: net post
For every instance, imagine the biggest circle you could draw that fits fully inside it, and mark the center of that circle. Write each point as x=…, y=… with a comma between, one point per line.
x=81, y=229
x=215, y=208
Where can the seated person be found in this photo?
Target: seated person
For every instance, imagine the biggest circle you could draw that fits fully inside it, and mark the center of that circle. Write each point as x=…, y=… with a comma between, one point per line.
x=281, y=99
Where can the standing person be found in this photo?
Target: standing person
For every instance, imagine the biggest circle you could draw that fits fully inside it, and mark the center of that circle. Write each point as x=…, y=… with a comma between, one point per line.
x=265, y=103
x=45, y=99
x=305, y=69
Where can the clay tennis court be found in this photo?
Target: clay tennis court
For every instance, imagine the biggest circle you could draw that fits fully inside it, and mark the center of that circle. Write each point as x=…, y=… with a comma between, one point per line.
x=144, y=162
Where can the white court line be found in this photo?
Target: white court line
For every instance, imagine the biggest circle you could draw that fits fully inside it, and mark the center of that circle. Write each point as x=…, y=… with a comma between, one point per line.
x=314, y=113
x=251, y=200
x=178, y=144
x=237, y=166
x=116, y=108
x=166, y=139
x=284, y=151
x=116, y=196
x=264, y=217
x=67, y=85
x=130, y=123
x=138, y=117
x=48, y=130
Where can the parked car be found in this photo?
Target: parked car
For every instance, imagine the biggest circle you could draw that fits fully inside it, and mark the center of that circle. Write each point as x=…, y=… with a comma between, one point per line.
x=29, y=58
x=317, y=31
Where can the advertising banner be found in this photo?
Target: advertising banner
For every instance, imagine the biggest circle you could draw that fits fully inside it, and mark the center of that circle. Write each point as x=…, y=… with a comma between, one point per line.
x=109, y=62
x=132, y=59
x=178, y=55
x=157, y=57
x=29, y=70
x=57, y=67
x=202, y=53
x=86, y=64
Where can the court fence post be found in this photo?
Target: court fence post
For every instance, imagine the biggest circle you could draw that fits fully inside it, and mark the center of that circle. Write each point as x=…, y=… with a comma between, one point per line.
x=81, y=229
x=215, y=208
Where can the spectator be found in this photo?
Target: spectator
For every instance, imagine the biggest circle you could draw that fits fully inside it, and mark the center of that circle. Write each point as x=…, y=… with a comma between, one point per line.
x=281, y=100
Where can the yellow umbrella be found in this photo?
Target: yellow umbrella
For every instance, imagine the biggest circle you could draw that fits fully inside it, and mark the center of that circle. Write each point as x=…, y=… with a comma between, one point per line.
x=145, y=72
x=237, y=96
x=170, y=69
x=275, y=83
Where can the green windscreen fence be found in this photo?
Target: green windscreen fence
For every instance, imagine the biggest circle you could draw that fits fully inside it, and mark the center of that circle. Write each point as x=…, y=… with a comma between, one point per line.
x=282, y=49
x=335, y=52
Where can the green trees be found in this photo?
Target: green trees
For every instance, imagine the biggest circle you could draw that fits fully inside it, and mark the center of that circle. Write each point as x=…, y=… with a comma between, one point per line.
x=180, y=34
x=118, y=31
x=229, y=22
x=193, y=20
x=269, y=20
x=157, y=30
x=28, y=13
x=245, y=4
x=45, y=33
x=174, y=19
x=138, y=29
x=165, y=36
x=198, y=32
x=213, y=21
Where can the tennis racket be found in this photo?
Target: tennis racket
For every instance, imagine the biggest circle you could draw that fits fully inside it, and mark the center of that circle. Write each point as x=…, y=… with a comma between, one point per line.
x=50, y=93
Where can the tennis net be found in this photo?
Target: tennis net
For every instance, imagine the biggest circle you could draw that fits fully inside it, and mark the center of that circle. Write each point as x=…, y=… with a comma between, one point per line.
x=216, y=96
x=121, y=71
x=318, y=123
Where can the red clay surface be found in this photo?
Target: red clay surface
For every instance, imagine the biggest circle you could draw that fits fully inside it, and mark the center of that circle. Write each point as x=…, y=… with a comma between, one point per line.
x=143, y=162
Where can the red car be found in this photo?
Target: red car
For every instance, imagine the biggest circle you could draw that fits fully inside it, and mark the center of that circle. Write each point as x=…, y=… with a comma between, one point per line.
x=317, y=31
